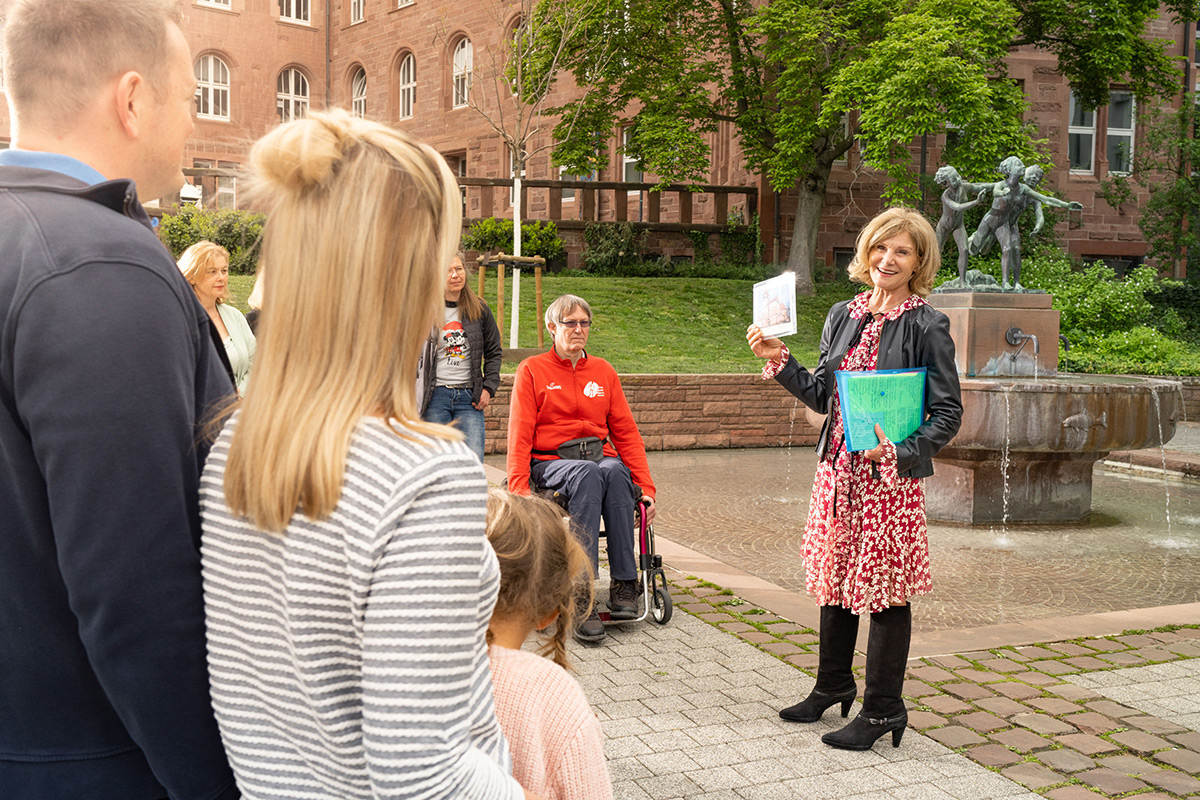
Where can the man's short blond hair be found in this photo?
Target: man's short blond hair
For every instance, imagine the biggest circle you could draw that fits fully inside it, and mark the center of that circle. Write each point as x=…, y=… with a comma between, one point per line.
x=59, y=53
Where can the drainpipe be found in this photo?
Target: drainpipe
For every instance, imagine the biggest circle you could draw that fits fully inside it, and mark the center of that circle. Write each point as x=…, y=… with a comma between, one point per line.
x=1188, y=31
x=328, y=54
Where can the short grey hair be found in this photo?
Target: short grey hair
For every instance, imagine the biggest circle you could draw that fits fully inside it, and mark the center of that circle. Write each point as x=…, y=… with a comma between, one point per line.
x=563, y=305
x=58, y=54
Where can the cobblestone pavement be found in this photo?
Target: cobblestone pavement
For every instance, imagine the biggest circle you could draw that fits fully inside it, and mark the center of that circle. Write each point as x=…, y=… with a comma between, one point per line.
x=689, y=711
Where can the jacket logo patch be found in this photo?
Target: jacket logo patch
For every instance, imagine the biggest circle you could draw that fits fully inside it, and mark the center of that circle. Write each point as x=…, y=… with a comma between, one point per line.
x=552, y=385
x=593, y=389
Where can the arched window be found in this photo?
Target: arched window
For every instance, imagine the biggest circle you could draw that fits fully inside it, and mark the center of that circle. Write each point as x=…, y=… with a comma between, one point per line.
x=291, y=95
x=212, y=88
x=408, y=86
x=358, y=93
x=464, y=66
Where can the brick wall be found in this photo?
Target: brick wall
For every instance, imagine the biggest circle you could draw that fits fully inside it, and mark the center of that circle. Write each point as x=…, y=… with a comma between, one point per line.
x=684, y=412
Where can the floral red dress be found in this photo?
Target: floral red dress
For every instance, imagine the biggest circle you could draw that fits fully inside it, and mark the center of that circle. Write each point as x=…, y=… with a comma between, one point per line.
x=866, y=546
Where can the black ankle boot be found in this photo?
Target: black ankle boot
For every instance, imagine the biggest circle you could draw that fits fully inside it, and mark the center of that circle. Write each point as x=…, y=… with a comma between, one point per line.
x=835, y=681
x=883, y=707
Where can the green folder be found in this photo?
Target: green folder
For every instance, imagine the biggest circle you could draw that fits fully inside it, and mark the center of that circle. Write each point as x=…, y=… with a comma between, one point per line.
x=893, y=398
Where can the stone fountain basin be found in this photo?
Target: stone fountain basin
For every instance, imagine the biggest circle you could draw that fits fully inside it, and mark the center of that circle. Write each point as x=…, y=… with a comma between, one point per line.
x=1026, y=447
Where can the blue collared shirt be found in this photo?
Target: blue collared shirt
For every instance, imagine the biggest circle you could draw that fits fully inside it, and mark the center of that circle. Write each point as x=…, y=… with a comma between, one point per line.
x=54, y=162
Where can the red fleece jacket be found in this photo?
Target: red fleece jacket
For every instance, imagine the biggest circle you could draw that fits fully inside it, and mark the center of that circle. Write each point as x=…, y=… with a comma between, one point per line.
x=553, y=402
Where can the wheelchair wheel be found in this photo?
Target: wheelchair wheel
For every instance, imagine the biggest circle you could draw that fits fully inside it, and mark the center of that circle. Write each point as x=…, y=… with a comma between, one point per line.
x=661, y=608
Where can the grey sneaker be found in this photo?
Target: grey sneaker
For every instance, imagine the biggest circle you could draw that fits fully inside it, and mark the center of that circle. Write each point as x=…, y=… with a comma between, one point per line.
x=623, y=599
x=591, y=629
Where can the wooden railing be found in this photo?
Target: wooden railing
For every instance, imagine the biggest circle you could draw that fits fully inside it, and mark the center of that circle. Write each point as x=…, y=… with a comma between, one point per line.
x=588, y=202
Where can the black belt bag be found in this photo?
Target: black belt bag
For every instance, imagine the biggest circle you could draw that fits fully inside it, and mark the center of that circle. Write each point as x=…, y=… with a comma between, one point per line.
x=587, y=448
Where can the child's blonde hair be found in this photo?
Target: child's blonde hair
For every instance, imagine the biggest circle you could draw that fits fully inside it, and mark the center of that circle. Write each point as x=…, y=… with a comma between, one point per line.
x=543, y=569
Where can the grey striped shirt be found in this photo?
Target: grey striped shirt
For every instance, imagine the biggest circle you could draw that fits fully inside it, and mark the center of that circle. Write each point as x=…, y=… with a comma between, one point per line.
x=347, y=656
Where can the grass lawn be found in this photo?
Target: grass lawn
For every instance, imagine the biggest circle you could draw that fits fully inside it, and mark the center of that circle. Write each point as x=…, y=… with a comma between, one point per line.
x=661, y=325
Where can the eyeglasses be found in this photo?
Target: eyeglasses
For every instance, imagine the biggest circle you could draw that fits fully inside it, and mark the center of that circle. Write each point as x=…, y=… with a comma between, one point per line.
x=576, y=323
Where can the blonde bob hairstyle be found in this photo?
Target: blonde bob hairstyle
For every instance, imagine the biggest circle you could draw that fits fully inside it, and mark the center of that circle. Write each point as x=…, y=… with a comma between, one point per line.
x=361, y=221
x=890, y=223
x=198, y=259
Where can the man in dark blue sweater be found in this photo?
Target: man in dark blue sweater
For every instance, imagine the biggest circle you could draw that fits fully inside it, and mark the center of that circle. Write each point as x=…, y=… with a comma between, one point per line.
x=107, y=372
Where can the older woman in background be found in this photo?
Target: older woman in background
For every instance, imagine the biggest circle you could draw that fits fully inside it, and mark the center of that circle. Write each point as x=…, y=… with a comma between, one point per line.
x=206, y=267
x=866, y=549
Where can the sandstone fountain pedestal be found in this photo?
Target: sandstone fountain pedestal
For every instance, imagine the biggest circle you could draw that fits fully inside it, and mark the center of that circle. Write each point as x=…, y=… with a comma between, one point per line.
x=1027, y=444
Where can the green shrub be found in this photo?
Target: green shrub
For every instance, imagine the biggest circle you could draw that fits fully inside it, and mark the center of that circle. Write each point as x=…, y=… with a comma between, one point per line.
x=494, y=235
x=616, y=248
x=239, y=232
x=1177, y=309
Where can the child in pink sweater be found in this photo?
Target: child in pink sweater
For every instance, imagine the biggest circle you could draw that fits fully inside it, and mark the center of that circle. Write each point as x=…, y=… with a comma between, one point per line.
x=555, y=739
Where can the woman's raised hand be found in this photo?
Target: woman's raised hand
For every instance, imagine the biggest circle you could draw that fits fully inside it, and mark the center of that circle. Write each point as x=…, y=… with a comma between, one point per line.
x=770, y=349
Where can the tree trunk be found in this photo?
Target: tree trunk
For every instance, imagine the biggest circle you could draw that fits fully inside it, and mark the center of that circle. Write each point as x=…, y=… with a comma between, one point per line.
x=810, y=201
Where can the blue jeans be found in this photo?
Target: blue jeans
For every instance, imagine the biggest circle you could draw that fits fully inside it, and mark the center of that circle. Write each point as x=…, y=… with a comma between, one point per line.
x=594, y=491
x=454, y=406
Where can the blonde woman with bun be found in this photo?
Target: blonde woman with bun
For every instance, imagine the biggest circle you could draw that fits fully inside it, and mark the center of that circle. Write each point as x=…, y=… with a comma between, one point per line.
x=348, y=580
x=206, y=267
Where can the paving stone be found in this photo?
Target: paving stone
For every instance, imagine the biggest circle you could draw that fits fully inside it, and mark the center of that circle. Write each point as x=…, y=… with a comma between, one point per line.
x=782, y=648
x=949, y=662
x=1087, y=662
x=955, y=736
x=1069, y=691
x=1001, y=706
x=802, y=638
x=1186, y=760
x=944, y=704
x=804, y=660
x=1035, y=652
x=1001, y=665
x=979, y=675
x=1110, y=709
x=1042, y=723
x=1155, y=654
x=1137, y=640
x=1074, y=793
x=1036, y=678
x=1110, y=781
x=923, y=719
x=1190, y=740
x=1130, y=765
x=1140, y=742
x=1068, y=648
x=993, y=755
x=1086, y=743
x=736, y=627
x=1172, y=781
x=1155, y=725
x=1123, y=659
x=931, y=674
x=1105, y=645
x=1091, y=722
x=967, y=691
x=757, y=637
x=1065, y=760
x=981, y=722
x=1054, y=705
x=1052, y=667
x=919, y=689
x=1035, y=776
x=1021, y=739
x=1015, y=690
x=1183, y=648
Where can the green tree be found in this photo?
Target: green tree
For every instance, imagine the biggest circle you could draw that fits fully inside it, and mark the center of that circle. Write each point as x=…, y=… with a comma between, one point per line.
x=802, y=80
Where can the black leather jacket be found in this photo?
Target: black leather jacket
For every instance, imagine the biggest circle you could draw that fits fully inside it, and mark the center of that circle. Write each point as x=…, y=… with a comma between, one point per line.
x=920, y=337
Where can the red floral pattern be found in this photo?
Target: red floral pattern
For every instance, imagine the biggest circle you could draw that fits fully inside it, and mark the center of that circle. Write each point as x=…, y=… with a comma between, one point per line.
x=865, y=543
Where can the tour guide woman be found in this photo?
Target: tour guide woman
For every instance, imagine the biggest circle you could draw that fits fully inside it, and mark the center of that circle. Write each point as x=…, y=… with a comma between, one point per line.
x=865, y=543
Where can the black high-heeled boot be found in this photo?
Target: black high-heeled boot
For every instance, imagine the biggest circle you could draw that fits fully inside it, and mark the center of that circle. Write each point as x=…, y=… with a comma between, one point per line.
x=883, y=707
x=835, y=681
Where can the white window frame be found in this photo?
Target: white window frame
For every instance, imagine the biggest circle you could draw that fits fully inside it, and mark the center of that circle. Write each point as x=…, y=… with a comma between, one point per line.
x=358, y=93
x=403, y=3
x=216, y=3
x=408, y=86
x=568, y=195
x=1088, y=130
x=212, y=87
x=290, y=102
x=628, y=162
x=358, y=11
x=463, y=67
x=295, y=11
x=1112, y=131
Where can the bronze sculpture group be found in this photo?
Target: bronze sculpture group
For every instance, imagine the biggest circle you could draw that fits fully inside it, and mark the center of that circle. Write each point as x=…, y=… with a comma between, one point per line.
x=1010, y=197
